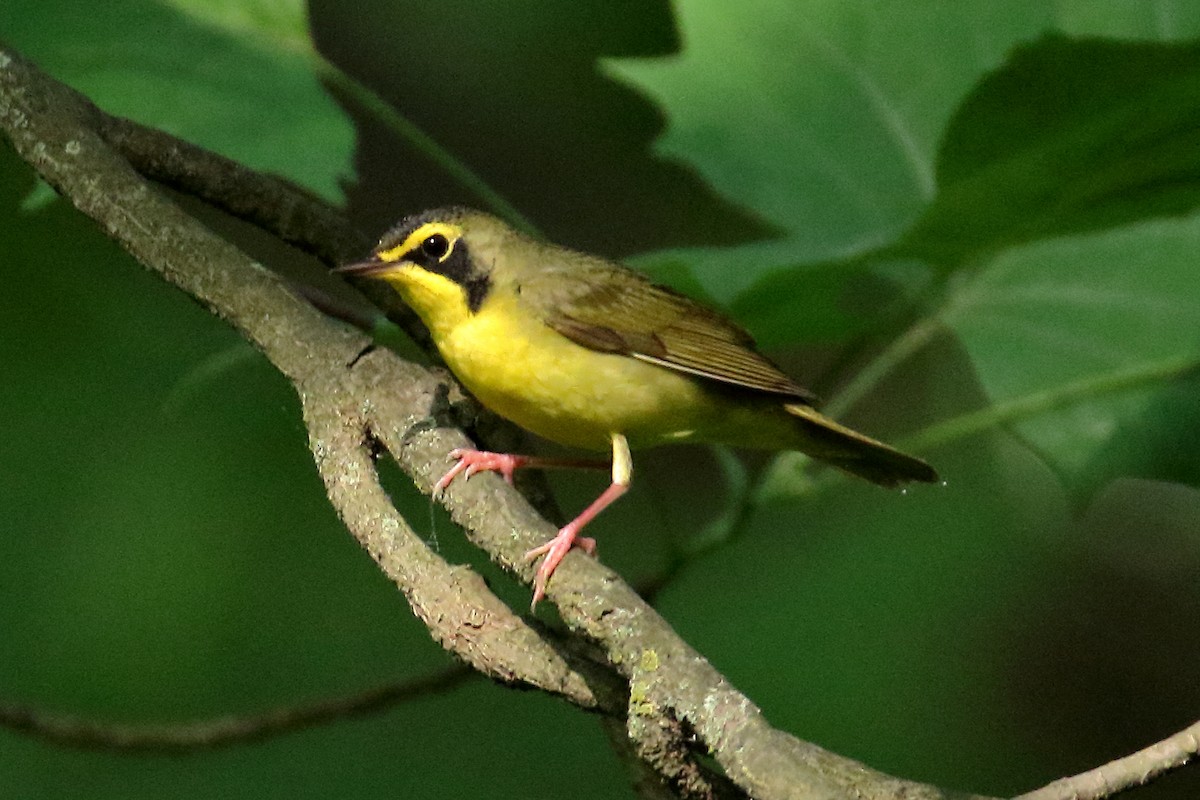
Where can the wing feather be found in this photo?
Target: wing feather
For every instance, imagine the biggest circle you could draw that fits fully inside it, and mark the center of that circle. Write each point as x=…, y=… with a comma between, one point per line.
x=608, y=308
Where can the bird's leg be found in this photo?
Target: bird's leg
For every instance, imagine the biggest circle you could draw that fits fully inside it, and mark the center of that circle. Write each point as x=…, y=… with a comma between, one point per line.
x=568, y=536
x=471, y=461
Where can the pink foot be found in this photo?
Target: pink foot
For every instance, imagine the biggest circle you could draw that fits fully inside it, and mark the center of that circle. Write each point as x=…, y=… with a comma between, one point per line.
x=472, y=461
x=555, y=551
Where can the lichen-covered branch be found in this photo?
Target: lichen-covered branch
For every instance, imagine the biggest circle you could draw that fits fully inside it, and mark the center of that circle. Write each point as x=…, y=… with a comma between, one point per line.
x=52, y=128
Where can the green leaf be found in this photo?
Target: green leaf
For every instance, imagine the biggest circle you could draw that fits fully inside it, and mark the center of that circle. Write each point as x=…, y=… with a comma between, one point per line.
x=239, y=80
x=1159, y=444
x=283, y=22
x=824, y=118
x=1078, y=335
x=1068, y=136
x=820, y=124
x=830, y=302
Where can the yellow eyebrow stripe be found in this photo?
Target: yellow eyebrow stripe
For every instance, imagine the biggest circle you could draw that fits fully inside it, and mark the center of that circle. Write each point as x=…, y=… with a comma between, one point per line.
x=451, y=232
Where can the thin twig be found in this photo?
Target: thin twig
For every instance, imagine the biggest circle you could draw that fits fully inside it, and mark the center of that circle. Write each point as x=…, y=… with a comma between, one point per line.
x=224, y=731
x=1038, y=403
x=1136, y=769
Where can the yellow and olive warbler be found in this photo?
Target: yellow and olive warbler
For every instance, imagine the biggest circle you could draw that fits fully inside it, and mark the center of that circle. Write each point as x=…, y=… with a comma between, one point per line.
x=590, y=354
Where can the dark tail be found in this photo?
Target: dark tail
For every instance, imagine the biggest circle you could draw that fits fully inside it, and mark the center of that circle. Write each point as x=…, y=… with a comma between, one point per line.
x=857, y=454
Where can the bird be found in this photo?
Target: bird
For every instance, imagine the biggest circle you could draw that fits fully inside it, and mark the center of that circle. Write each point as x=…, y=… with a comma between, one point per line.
x=590, y=354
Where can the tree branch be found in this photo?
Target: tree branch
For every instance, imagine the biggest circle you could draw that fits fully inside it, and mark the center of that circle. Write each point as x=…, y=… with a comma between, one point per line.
x=224, y=731
x=674, y=703
x=51, y=127
x=1136, y=769
x=347, y=402
x=272, y=203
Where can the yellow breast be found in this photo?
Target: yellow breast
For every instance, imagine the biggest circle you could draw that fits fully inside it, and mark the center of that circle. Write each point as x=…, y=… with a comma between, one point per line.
x=546, y=383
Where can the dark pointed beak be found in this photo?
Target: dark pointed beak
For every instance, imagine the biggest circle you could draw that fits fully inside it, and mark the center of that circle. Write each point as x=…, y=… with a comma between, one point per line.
x=366, y=269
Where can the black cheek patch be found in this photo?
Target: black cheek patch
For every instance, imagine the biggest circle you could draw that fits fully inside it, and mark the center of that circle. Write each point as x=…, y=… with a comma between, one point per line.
x=477, y=288
x=458, y=267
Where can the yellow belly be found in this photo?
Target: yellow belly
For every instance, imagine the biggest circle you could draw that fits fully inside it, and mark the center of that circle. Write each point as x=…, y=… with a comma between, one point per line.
x=557, y=389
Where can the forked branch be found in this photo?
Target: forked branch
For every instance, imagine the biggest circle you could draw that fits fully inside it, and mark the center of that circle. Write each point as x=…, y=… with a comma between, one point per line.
x=623, y=661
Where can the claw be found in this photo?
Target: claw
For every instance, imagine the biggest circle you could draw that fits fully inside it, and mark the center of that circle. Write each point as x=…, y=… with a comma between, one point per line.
x=473, y=461
x=450, y=475
x=555, y=551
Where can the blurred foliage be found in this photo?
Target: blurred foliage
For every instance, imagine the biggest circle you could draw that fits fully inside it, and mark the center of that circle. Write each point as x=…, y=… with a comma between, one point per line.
x=237, y=78
x=970, y=223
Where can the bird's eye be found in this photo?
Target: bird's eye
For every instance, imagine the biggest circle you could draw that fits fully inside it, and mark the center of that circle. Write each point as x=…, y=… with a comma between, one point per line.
x=435, y=247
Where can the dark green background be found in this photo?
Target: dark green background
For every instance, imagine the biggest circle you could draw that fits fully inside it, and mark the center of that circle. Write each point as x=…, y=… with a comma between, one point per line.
x=167, y=553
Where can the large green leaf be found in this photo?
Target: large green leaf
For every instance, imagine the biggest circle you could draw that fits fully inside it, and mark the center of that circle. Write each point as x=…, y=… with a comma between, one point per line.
x=823, y=117
x=237, y=79
x=1067, y=136
x=844, y=124
x=1076, y=338
x=1088, y=344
